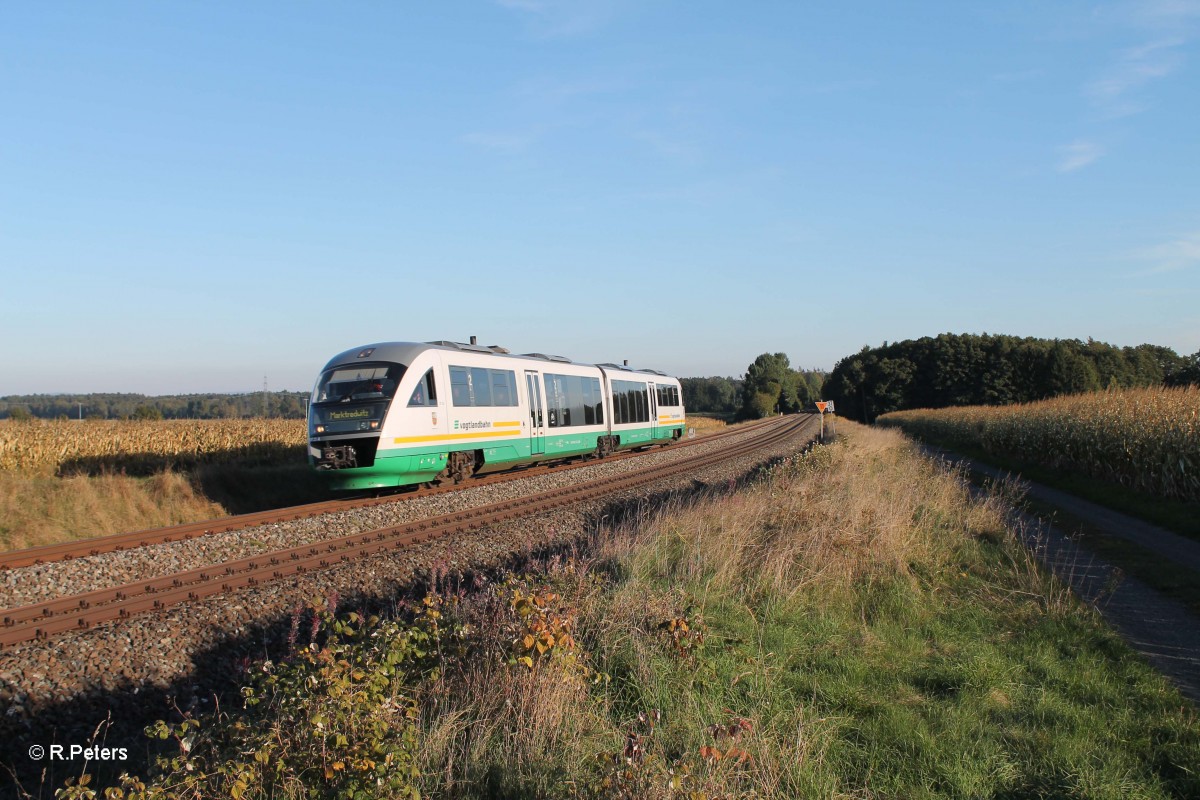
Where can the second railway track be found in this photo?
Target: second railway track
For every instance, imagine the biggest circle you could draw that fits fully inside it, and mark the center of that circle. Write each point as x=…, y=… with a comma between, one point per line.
x=83, y=611
x=63, y=551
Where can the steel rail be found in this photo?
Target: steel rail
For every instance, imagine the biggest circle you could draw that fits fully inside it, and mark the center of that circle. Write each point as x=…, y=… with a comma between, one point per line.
x=65, y=551
x=80, y=612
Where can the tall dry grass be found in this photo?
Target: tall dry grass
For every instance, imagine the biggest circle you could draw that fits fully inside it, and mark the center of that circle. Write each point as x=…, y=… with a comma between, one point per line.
x=65, y=479
x=825, y=531
x=45, y=510
x=831, y=519
x=706, y=425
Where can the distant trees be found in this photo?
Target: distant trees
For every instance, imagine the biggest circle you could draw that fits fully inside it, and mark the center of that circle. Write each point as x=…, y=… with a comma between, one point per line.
x=1189, y=373
x=146, y=411
x=969, y=369
x=772, y=386
x=712, y=395
x=288, y=405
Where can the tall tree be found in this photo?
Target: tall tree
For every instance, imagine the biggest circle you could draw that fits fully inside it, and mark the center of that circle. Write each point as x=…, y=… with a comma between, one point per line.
x=769, y=384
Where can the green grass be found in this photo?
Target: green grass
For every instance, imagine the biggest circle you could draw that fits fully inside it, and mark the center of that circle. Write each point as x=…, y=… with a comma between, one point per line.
x=1175, y=581
x=953, y=686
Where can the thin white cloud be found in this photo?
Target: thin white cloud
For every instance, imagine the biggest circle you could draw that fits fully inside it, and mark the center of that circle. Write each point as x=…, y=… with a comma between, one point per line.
x=556, y=91
x=1018, y=76
x=1133, y=69
x=509, y=142
x=1180, y=253
x=670, y=147
x=554, y=19
x=1078, y=154
x=1172, y=11
x=837, y=86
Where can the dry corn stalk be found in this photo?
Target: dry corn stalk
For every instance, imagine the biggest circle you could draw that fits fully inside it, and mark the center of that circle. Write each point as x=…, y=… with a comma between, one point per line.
x=141, y=446
x=1148, y=439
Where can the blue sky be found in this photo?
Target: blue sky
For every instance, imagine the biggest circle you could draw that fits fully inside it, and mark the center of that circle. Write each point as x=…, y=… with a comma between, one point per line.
x=195, y=196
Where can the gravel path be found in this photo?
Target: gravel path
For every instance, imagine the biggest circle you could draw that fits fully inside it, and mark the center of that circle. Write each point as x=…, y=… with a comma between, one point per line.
x=1161, y=629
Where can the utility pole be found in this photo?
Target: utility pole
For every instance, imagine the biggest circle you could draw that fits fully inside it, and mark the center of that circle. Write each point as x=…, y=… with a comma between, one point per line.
x=266, y=402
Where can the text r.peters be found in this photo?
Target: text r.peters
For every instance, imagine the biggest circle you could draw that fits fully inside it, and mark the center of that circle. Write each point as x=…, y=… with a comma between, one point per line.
x=60, y=752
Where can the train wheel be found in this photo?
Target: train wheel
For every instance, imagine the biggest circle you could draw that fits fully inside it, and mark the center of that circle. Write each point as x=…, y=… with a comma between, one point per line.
x=459, y=466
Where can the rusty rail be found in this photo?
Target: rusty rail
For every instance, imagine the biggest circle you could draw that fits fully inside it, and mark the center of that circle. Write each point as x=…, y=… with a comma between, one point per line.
x=81, y=612
x=191, y=530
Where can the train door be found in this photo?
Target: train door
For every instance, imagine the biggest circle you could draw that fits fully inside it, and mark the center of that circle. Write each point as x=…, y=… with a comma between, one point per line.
x=537, y=420
x=653, y=411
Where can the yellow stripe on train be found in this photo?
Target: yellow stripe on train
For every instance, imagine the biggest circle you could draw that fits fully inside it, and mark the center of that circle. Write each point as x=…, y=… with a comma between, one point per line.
x=445, y=437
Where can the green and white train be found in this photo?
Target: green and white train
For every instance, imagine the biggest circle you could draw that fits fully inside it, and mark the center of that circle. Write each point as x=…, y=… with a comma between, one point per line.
x=400, y=413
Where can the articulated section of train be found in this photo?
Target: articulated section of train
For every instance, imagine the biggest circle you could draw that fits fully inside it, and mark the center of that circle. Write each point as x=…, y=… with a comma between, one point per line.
x=399, y=413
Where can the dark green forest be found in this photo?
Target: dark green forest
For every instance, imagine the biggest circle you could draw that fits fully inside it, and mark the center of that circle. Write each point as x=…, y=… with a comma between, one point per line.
x=288, y=405
x=969, y=369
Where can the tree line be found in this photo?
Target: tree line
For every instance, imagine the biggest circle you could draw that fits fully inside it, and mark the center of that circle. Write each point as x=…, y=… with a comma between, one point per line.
x=931, y=372
x=286, y=405
x=770, y=386
x=970, y=369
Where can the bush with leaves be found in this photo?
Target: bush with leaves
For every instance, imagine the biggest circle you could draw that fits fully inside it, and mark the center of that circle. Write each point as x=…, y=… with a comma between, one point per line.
x=335, y=719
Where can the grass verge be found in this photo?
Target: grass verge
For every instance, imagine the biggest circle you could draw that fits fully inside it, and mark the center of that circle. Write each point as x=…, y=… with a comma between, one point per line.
x=46, y=509
x=1173, y=580
x=855, y=625
x=1178, y=516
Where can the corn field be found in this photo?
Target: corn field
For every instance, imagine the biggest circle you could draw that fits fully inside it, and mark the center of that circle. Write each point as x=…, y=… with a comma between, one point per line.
x=142, y=447
x=1147, y=439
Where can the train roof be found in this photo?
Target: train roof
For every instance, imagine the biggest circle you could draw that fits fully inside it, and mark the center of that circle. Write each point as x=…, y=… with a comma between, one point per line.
x=406, y=352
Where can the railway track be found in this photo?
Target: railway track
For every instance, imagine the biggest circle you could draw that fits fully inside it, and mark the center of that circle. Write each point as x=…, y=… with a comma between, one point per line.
x=80, y=612
x=177, y=533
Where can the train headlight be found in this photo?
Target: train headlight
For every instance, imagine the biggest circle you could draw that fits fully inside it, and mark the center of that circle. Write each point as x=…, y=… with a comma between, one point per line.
x=320, y=429
x=374, y=424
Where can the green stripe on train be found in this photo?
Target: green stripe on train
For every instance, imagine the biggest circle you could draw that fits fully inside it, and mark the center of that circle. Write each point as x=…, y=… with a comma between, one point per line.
x=402, y=466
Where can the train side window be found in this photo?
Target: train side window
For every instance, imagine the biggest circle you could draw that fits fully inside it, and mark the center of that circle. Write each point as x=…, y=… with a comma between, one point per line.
x=425, y=394
x=553, y=391
x=418, y=396
x=460, y=386
x=481, y=389
x=503, y=388
x=589, y=403
x=512, y=388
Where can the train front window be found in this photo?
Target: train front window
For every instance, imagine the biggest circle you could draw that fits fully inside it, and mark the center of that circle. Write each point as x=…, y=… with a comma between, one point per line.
x=364, y=382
